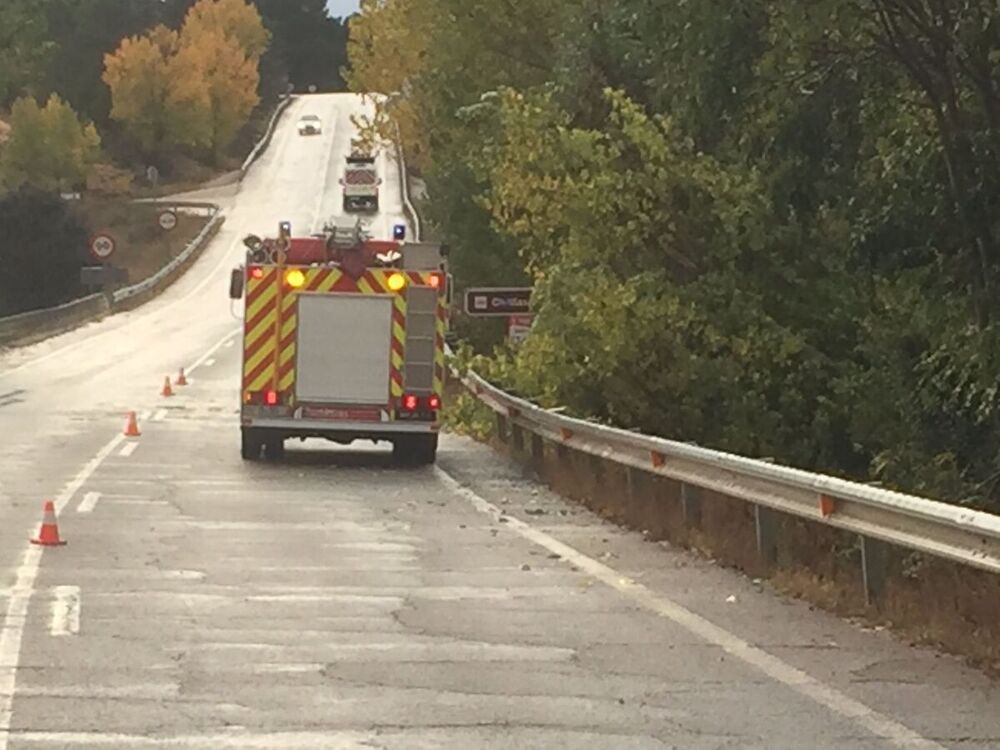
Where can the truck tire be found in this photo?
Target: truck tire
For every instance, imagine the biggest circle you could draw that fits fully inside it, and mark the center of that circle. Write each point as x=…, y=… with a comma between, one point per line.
x=250, y=445
x=415, y=450
x=274, y=448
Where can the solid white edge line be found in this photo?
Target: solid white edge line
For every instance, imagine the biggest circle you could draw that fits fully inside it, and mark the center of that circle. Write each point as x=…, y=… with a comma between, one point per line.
x=16, y=614
x=802, y=683
x=89, y=502
x=66, y=605
x=209, y=278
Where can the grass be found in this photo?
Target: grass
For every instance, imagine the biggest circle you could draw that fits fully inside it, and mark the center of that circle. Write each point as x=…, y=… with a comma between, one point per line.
x=143, y=248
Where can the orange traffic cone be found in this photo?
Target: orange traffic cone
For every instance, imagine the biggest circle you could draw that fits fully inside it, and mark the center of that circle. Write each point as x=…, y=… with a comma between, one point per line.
x=181, y=379
x=132, y=426
x=167, y=389
x=48, y=535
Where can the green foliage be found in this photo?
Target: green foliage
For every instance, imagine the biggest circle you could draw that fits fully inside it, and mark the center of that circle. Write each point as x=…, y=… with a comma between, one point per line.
x=24, y=48
x=43, y=243
x=49, y=147
x=763, y=226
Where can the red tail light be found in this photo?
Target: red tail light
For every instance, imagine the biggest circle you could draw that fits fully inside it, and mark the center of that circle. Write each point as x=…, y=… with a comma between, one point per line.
x=434, y=402
x=437, y=281
x=256, y=272
x=271, y=398
x=410, y=402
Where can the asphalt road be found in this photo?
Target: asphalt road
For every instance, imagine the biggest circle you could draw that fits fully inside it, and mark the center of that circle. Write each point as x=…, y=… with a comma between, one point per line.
x=333, y=601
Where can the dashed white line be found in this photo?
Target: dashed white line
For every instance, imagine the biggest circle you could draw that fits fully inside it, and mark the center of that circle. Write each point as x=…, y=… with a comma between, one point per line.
x=791, y=677
x=226, y=341
x=89, y=502
x=143, y=416
x=65, y=611
x=128, y=449
x=209, y=278
x=160, y=415
x=16, y=614
x=209, y=363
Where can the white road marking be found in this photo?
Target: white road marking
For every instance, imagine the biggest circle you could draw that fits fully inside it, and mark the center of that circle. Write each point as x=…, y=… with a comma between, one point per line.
x=210, y=362
x=65, y=611
x=89, y=502
x=321, y=193
x=16, y=615
x=237, y=739
x=160, y=415
x=802, y=683
x=128, y=450
x=210, y=277
x=226, y=341
x=229, y=344
x=145, y=415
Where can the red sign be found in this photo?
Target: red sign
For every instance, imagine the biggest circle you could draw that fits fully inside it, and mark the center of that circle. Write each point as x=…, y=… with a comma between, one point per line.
x=102, y=247
x=518, y=327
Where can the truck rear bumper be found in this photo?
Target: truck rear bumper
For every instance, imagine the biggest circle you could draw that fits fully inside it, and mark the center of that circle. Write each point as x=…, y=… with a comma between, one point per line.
x=322, y=427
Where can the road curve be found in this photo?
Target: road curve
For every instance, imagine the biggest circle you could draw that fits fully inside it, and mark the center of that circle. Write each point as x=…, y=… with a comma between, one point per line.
x=333, y=601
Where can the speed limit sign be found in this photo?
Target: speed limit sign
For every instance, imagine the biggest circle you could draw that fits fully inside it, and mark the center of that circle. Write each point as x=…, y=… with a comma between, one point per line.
x=168, y=220
x=102, y=246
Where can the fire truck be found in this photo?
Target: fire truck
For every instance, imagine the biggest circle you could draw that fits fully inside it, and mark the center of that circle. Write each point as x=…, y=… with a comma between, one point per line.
x=361, y=181
x=343, y=339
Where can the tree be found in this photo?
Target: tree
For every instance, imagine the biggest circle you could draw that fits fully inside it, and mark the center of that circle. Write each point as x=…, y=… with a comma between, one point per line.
x=776, y=234
x=144, y=89
x=40, y=257
x=221, y=86
x=24, y=46
x=237, y=20
x=49, y=148
x=308, y=47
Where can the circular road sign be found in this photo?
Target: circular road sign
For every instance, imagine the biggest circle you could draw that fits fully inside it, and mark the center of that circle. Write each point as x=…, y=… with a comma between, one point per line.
x=167, y=220
x=102, y=246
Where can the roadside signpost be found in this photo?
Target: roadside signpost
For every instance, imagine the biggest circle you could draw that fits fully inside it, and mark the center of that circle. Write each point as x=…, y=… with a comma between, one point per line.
x=102, y=247
x=167, y=220
x=497, y=302
x=512, y=303
x=518, y=328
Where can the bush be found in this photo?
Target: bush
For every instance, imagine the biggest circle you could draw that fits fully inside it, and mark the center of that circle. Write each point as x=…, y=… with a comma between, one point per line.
x=42, y=252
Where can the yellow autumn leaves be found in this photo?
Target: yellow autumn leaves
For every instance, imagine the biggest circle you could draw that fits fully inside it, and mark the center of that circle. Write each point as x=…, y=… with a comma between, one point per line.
x=195, y=87
x=50, y=148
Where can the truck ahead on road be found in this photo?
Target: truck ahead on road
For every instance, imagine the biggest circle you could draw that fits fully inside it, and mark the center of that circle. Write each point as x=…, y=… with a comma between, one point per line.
x=361, y=183
x=343, y=339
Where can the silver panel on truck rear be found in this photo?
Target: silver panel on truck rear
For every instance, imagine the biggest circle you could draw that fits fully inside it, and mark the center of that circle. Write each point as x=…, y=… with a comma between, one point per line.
x=343, y=348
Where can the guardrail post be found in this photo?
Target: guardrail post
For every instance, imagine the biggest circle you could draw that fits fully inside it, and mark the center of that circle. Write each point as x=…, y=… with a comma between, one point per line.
x=691, y=504
x=874, y=568
x=501, y=427
x=766, y=521
x=537, y=451
x=517, y=437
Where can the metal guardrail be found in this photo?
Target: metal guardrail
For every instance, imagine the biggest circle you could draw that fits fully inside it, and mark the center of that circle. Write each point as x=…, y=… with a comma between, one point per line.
x=126, y=293
x=948, y=531
x=878, y=516
x=408, y=207
x=265, y=141
x=48, y=321
x=51, y=320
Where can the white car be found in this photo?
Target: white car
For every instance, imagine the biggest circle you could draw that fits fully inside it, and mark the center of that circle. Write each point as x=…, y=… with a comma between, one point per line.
x=310, y=125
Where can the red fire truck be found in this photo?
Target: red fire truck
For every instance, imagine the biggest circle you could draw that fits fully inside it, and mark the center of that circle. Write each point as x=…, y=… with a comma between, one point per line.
x=343, y=339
